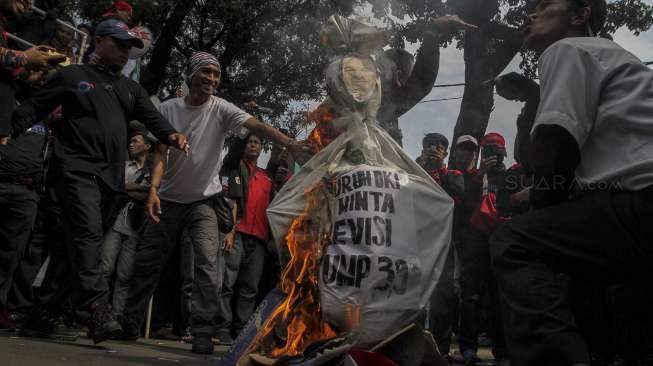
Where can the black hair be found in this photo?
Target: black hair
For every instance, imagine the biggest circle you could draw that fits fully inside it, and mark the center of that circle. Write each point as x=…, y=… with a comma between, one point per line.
x=598, y=12
x=235, y=154
x=437, y=138
x=146, y=137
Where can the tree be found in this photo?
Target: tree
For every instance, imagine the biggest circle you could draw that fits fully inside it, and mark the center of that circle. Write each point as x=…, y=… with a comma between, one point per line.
x=269, y=50
x=488, y=51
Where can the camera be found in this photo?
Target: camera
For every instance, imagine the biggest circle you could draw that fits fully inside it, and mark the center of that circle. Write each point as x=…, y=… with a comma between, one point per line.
x=489, y=151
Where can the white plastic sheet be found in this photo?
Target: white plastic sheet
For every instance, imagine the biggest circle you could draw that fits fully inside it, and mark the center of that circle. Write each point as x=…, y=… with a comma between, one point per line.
x=390, y=223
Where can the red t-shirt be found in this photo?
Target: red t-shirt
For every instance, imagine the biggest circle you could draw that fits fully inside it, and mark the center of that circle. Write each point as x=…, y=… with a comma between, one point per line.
x=254, y=220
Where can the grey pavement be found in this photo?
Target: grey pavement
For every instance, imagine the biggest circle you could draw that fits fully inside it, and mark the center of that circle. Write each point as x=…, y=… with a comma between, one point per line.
x=18, y=351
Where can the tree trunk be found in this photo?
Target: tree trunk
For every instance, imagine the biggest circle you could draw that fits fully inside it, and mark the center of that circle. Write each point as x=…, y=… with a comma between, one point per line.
x=482, y=63
x=478, y=97
x=156, y=69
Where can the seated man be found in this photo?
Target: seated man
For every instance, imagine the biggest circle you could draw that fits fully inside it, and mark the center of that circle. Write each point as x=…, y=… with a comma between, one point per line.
x=592, y=157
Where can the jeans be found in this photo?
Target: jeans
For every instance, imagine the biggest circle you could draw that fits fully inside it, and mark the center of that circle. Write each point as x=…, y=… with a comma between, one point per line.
x=242, y=273
x=118, y=264
x=19, y=206
x=187, y=226
x=601, y=237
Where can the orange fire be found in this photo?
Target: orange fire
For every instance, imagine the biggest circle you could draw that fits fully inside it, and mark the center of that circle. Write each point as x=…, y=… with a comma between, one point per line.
x=324, y=131
x=300, y=311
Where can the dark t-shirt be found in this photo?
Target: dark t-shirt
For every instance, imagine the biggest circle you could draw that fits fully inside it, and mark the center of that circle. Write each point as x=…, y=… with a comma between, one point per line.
x=24, y=155
x=97, y=106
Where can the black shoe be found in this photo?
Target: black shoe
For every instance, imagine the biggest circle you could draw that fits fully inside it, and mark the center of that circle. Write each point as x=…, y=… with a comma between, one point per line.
x=18, y=317
x=202, y=344
x=41, y=323
x=103, y=326
x=224, y=338
x=6, y=322
x=126, y=335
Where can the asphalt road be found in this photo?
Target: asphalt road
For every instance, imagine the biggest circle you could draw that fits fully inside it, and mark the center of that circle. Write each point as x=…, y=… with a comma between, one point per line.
x=17, y=351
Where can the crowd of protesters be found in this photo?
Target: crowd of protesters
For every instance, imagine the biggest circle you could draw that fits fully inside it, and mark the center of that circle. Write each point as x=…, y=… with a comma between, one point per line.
x=114, y=208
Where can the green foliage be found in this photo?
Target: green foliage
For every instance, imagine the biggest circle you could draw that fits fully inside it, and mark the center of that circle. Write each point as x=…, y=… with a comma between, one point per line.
x=270, y=50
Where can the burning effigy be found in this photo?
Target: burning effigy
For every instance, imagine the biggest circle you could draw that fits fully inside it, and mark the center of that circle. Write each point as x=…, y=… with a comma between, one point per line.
x=362, y=231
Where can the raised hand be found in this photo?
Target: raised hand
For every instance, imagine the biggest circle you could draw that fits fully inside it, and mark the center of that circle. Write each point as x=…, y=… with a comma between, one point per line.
x=514, y=86
x=42, y=58
x=450, y=24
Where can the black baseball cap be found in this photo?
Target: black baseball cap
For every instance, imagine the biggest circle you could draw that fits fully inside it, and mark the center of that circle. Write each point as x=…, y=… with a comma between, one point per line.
x=114, y=28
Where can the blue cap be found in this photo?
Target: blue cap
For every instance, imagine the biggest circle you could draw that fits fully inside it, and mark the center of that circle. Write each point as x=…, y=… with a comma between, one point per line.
x=118, y=30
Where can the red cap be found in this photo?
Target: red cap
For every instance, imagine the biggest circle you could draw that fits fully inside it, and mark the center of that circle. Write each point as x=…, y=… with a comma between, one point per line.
x=493, y=138
x=121, y=5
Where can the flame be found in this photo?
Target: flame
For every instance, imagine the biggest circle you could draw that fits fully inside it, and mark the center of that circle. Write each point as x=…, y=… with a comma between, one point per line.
x=300, y=310
x=324, y=131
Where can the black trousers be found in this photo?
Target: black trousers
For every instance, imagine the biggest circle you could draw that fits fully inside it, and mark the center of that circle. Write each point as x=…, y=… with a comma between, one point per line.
x=477, y=283
x=443, y=314
x=82, y=197
x=17, y=214
x=21, y=296
x=600, y=237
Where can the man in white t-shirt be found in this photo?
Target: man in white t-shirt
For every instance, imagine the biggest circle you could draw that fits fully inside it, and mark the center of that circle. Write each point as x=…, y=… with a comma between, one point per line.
x=178, y=199
x=592, y=157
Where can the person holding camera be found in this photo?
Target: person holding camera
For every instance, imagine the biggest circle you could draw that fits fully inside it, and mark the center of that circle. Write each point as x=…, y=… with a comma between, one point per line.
x=444, y=301
x=435, y=148
x=481, y=218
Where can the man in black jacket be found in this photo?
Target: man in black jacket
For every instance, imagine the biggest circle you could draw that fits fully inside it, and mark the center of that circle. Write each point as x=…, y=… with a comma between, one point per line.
x=89, y=158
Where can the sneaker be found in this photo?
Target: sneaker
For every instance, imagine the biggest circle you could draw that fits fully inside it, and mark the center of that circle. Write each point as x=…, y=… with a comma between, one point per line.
x=42, y=324
x=102, y=325
x=187, y=337
x=202, y=344
x=6, y=323
x=224, y=338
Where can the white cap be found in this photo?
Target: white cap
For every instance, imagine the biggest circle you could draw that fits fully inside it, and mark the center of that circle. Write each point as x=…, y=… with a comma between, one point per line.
x=466, y=138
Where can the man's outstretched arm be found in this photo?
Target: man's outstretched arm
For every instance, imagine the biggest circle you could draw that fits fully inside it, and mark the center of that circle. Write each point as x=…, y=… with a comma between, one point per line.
x=427, y=62
x=261, y=129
